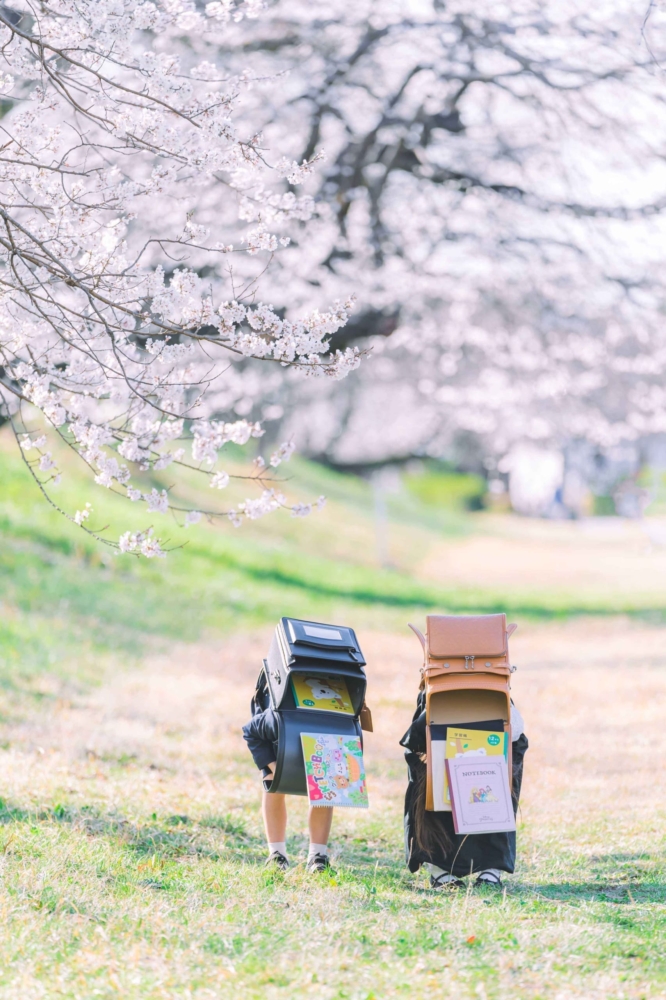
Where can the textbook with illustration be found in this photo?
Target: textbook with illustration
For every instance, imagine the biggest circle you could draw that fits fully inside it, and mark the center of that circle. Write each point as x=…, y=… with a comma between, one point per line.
x=334, y=770
x=462, y=743
x=480, y=795
x=328, y=694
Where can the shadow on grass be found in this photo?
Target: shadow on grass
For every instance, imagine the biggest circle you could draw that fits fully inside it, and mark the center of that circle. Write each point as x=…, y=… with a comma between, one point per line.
x=414, y=598
x=621, y=858
x=38, y=580
x=177, y=836
x=630, y=869
x=646, y=891
x=170, y=837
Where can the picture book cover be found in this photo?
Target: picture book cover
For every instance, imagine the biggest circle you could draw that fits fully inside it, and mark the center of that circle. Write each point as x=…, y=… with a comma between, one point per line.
x=480, y=795
x=461, y=743
x=328, y=694
x=334, y=770
x=475, y=742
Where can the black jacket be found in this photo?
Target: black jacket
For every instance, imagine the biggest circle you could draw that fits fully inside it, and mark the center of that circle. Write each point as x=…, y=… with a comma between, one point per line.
x=261, y=732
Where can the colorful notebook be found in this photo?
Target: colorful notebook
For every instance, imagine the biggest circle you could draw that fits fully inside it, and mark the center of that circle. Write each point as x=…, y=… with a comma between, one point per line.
x=334, y=770
x=461, y=742
x=328, y=694
x=480, y=795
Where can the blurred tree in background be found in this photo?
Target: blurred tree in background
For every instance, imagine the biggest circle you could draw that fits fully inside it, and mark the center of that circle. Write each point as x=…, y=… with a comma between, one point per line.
x=494, y=193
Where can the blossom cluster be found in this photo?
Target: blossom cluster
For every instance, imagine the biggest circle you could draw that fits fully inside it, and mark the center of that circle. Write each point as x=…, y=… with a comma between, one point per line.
x=119, y=308
x=300, y=343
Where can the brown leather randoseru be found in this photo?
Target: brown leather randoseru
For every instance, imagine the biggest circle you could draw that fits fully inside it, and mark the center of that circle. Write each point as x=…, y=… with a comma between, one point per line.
x=466, y=672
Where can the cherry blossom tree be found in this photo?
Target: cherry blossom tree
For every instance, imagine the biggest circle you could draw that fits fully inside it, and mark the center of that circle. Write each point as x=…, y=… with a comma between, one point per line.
x=120, y=309
x=494, y=194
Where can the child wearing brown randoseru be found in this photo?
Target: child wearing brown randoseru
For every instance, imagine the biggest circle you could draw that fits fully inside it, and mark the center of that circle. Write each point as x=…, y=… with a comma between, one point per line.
x=430, y=838
x=465, y=684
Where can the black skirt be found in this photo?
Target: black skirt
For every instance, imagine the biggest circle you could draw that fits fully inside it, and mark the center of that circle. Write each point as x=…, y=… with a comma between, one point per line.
x=455, y=853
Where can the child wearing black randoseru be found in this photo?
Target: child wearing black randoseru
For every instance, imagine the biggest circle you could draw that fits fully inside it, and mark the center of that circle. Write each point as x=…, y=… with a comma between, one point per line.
x=312, y=683
x=430, y=838
x=261, y=734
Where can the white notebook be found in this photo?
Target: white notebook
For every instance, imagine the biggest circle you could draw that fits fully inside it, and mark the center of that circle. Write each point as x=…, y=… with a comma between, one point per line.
x=480, y=795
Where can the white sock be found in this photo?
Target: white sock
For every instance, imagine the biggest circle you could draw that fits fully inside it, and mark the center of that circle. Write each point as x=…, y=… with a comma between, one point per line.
x=492, y=871
x=280, y=847
x=317, y=849
x=440, y=874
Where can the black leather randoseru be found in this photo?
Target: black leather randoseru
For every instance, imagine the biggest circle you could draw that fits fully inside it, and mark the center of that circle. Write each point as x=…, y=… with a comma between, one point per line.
x=318, y=650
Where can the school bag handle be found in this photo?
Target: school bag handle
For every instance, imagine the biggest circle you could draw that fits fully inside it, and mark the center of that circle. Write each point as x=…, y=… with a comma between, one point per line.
x=419, y=635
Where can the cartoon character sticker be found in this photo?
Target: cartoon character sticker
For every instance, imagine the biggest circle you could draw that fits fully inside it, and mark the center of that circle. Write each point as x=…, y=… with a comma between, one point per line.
x=325, y=693
x=321, y=691
x=334, y=770
x=482, y=795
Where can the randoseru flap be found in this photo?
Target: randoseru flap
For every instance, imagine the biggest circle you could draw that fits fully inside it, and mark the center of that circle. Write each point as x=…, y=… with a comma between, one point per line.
x=466, y=635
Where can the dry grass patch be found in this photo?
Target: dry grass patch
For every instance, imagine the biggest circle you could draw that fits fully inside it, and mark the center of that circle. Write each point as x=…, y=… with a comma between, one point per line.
x=601, y=562
x=132, y=852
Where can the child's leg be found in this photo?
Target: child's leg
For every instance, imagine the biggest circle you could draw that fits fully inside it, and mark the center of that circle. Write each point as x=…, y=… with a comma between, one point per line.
x=274, y=811
x=319, y=824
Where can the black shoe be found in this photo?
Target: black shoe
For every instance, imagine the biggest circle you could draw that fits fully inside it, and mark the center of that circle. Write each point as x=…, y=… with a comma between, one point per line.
x=442, y=882
x=488, y=878
x=318, y=863
x=278, y=860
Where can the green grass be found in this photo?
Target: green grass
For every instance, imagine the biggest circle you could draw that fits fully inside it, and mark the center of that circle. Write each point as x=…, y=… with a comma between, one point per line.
x=62, y=591
x=443, y=488
x=157, y=905
x=135, y=870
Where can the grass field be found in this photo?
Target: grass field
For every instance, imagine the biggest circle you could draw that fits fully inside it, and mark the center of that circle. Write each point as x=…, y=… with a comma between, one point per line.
x=131, y=846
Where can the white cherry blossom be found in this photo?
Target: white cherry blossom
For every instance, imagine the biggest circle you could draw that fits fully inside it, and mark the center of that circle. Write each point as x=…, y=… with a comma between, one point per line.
x=132, y=184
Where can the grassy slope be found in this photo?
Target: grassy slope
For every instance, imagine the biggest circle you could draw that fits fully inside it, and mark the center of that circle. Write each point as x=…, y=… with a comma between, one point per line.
x=62, y=591
x=125, y=876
